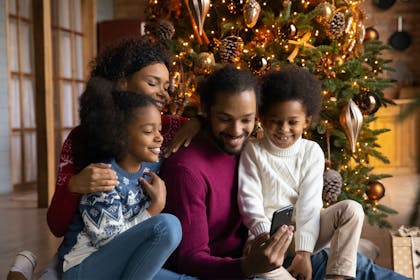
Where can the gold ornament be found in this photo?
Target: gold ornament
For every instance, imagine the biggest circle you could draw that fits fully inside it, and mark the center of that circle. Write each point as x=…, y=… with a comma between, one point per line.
x=375, y=190
x=371, y=34
x=204, y=63
x=325, y=12
x=351, y=119
x=252, y=11
x=199, y=9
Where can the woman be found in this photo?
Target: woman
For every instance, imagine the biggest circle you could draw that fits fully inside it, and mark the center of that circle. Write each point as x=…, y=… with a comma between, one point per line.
x=136, y=65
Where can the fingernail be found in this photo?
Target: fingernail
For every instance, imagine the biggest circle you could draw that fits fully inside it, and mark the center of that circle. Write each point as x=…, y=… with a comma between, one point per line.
x=283, y=227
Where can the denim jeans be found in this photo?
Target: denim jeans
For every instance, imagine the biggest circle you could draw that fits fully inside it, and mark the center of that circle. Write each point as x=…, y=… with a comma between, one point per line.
x=138, y=253
x=366, y=269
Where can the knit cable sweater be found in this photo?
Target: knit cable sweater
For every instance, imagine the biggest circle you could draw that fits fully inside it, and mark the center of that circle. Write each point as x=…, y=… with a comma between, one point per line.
x=271, y=178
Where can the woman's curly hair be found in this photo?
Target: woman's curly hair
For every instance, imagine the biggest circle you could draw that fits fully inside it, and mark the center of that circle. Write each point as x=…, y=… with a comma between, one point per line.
x=129, y=56
x=104, y=116
x=292, y=83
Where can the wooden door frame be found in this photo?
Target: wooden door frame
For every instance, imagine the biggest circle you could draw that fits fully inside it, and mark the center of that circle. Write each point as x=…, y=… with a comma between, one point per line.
x=44, y=90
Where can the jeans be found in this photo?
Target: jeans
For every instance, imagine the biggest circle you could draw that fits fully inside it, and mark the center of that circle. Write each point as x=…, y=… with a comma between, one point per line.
x=138, y=253
x=366, y=269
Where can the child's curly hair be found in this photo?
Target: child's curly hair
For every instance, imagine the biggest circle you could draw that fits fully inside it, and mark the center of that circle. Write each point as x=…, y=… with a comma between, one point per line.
x=129, y=56
x=292, y=83
x=104, y=116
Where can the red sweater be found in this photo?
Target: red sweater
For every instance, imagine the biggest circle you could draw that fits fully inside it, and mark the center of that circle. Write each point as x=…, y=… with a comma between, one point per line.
x=201, y=183
x=64, y=203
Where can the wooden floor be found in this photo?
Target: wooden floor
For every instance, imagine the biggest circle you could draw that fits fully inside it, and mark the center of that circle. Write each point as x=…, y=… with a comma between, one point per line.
x=23, y=225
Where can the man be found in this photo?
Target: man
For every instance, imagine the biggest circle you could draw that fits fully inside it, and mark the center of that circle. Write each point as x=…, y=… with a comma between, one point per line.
x=202, y=186
x=201, y=183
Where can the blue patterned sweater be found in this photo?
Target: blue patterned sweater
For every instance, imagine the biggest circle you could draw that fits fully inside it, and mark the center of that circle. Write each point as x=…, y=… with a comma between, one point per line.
x=104, y=215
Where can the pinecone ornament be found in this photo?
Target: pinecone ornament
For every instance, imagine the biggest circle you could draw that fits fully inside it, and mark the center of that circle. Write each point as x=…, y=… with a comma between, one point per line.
x=230, y=49
x=165, y=30
x=336, y=25
x=332, y=186
x=162, y=30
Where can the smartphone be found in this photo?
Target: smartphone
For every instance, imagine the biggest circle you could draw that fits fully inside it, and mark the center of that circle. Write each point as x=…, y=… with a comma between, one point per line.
x=282, y=216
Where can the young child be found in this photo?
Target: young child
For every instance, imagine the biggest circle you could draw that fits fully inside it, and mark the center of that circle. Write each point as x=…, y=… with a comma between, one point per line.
x=282, y=168
x=120, y=234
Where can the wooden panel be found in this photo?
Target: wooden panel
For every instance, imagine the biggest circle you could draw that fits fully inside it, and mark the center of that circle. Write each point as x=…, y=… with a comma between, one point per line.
x=401, y=144
x=44, y=102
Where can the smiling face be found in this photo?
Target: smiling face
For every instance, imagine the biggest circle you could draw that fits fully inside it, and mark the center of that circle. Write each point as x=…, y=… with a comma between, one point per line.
x=232, y=119
x=284, y=122
x=152, y=80
x=144, y=138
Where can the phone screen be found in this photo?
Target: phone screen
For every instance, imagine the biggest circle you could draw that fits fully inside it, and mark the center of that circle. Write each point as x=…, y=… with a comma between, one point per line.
x=281, y=217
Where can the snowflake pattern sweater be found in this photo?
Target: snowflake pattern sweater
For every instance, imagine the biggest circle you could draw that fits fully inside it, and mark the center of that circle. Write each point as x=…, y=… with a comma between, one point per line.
x=107, y=214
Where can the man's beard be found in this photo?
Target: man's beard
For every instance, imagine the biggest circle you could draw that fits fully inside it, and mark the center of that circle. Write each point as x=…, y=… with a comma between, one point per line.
x=221, y=144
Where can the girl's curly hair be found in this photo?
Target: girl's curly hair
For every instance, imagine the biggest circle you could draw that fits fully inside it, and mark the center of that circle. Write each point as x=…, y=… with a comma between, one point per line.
x=104, y=116
x=129, y=56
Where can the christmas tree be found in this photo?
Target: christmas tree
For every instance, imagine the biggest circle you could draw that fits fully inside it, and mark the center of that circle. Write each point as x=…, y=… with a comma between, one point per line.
x=327, y=37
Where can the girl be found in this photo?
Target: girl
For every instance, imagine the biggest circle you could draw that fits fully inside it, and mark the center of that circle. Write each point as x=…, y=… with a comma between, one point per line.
x=120, y=233
x=282, y=168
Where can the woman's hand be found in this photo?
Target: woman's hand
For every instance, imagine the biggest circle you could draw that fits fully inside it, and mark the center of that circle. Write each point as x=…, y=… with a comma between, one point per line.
x=183, y=136
x=96, y=177
x=156, y=189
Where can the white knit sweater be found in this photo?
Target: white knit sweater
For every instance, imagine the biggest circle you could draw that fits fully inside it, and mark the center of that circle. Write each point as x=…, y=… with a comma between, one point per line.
x=271, y=178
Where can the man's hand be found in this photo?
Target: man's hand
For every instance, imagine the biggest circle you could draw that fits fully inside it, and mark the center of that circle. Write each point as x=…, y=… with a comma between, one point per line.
x=96, y=177
x=156, y=189
x=267, y=253
x=301, y=267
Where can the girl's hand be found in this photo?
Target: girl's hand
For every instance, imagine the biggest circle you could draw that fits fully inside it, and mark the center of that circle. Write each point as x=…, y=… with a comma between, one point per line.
x=156, y=189
x=96, y=177
x=183, y=136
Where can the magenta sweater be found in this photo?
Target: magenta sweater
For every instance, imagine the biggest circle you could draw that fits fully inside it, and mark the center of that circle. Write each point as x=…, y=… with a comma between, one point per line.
x=201, y=181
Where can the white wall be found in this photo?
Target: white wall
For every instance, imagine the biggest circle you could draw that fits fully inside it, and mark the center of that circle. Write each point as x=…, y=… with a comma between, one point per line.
x=4, y=106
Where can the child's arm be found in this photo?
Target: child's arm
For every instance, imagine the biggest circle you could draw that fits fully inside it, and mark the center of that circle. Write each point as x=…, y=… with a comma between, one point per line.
x=309, y=201
x=250, y=197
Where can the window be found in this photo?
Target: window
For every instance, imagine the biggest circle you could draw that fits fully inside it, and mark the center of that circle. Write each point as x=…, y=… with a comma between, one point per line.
x=73, y=41
x=21, y=94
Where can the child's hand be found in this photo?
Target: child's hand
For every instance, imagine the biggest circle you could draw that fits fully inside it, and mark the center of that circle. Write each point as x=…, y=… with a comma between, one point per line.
x=96, y=177
x=183, y=136
x=156, y=189
x=301, y=266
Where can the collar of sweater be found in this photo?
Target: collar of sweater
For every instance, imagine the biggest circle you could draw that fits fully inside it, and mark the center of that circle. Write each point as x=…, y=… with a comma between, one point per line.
x=286, y=152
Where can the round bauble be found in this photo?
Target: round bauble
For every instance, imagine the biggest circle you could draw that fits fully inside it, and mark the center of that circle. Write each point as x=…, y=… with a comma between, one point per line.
x=204, y=63
x=257, y=64
x=368, y=102
x=371, y=34
x=375, y=190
